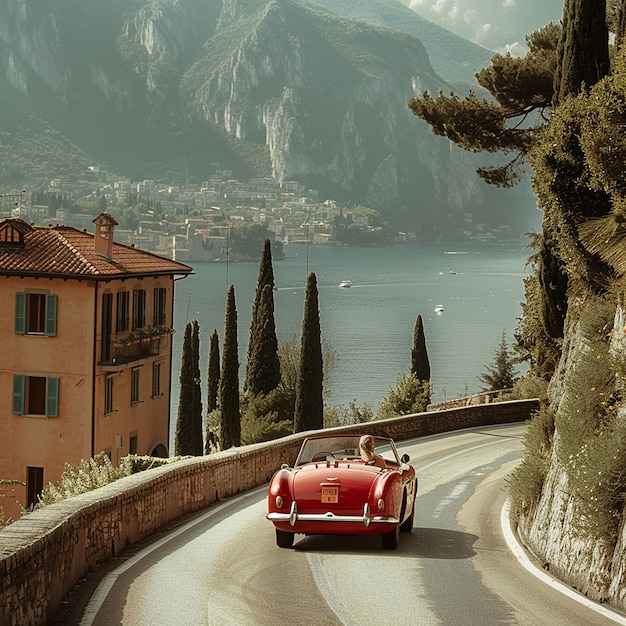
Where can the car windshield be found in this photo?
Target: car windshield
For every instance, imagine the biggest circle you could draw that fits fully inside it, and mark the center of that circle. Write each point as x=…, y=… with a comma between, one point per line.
x=342, y=447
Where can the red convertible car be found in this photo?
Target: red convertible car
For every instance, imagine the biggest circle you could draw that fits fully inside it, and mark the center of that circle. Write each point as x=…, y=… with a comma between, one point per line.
x=337, y=487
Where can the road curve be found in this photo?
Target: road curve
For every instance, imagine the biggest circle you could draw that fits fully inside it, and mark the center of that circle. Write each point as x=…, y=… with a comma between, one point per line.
x=454, y=568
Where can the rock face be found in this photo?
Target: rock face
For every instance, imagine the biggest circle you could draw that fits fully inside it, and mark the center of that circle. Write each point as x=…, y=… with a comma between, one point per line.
x=596, y=567
x=317, y=97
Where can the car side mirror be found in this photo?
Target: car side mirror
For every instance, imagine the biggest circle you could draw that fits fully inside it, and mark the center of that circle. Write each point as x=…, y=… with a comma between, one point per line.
x=405, y=458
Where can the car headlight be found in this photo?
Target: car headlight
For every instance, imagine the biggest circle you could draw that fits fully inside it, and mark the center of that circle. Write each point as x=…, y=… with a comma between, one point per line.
x=279, y=502
x=381, y=505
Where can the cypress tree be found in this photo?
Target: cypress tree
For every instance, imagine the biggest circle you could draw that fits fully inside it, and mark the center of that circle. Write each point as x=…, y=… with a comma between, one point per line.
x=265, y=278
x=420, y=366
x=263, y=361
x=309, y=411
x=213, y=375
x=560, y=180
x=229, y=379
x=583, y=52
x=184, y=441
x=198, y=444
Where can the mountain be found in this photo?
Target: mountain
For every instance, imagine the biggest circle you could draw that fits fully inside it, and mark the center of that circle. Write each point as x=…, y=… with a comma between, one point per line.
x=172, y=90
x=455, y=59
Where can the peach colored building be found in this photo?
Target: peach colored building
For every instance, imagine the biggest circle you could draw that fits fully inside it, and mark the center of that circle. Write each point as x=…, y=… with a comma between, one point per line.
x=86, y=351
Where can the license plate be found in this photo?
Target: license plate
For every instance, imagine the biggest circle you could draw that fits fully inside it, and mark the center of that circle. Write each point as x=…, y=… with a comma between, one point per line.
x=330, y=495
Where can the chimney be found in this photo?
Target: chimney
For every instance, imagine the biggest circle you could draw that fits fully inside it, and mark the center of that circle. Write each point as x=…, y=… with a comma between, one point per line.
x=103, y=238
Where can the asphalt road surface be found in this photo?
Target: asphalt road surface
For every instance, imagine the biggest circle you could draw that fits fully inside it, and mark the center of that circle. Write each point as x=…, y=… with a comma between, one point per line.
x=455, y=567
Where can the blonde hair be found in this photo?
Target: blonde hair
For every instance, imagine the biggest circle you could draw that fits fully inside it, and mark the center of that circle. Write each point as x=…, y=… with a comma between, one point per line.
x=366, y=448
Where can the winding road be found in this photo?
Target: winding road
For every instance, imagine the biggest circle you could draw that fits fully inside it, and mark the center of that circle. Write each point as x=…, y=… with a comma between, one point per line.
x=454, y=568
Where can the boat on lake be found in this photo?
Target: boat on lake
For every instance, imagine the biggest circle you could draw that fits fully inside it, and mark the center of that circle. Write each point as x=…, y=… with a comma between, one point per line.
x=345, y=283
x=439, y=308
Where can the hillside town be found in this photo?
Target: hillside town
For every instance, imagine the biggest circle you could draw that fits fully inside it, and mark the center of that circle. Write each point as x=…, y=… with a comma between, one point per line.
x=194, y=224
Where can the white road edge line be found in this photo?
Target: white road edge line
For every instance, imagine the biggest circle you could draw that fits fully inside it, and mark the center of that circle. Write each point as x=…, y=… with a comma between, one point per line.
x=333, y=601
x=106, y=584
x=519, y=552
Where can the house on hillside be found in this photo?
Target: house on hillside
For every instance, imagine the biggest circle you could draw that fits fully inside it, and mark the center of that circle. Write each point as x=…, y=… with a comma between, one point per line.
x=86, y=355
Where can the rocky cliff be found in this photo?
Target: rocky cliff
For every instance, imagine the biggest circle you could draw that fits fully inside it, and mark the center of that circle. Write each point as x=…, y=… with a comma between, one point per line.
x=176, y=88
x=577, y=525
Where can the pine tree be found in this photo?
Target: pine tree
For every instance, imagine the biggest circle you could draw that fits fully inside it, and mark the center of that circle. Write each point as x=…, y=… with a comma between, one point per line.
x=184, y=440
x=309, y=412
x=263, y=361
x=229, y=379
x=501, y=374
x=265, y=278
x=213, y=375
x=420, y=366
x=197, y=389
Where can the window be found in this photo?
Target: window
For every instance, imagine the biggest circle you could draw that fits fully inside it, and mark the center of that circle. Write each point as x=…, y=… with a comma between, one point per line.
x=36, y=314
x=159, y=306
x=107, y=309
x=108, y=394
x=122, y=311
x=139, y=308
x=156, y=380
x=134, y=385
x=34, y=484
x=132, y=444
x=35, y=395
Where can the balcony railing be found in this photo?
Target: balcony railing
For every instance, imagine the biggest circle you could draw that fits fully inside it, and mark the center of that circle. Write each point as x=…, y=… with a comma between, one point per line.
x=140, y=344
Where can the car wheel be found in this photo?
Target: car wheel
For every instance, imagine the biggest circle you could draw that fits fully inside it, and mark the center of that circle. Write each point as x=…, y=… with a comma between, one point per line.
x=283, y=539
x=391, y=540
x=407, y=525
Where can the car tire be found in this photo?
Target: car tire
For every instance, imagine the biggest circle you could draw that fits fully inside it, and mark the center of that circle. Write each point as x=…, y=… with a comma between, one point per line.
x=283, y=539
x=407, y=525
x=391, y=540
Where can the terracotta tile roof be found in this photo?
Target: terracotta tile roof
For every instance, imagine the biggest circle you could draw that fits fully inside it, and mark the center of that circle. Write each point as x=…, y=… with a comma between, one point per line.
x=67, y=251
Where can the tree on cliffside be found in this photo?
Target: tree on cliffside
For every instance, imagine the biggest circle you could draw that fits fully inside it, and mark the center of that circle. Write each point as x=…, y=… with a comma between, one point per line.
x=583, y=52
x=522, y=89
x=309, y=412
x=229, y=379
x=561, y=62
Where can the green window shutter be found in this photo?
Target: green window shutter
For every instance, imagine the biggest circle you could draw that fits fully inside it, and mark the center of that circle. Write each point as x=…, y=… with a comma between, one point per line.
x=20, y=313
x=52, y=400
x=19, y=387
x=51, y=315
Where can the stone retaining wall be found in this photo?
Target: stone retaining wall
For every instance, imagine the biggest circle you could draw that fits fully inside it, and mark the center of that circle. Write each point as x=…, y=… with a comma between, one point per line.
x=45, y=553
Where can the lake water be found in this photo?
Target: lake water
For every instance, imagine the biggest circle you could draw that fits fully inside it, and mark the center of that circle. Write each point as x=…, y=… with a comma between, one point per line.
x=370, y=325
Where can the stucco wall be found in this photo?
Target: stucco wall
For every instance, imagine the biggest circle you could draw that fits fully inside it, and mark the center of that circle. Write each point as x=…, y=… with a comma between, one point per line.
x=45, y=553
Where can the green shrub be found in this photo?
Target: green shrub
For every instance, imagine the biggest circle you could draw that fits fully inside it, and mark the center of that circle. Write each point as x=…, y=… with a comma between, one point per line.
x=76, y=479
x=95, y=473
x=410, y=395
x=268, y=417
x=528, y=386
x=340, y=415
x=592, y=435
x=526, y=481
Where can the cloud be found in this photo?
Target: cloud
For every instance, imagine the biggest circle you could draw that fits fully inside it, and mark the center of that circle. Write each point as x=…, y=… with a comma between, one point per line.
x=495, y=24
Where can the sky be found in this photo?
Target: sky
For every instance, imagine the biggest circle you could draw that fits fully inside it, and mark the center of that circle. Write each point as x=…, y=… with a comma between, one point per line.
x=500, y=25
